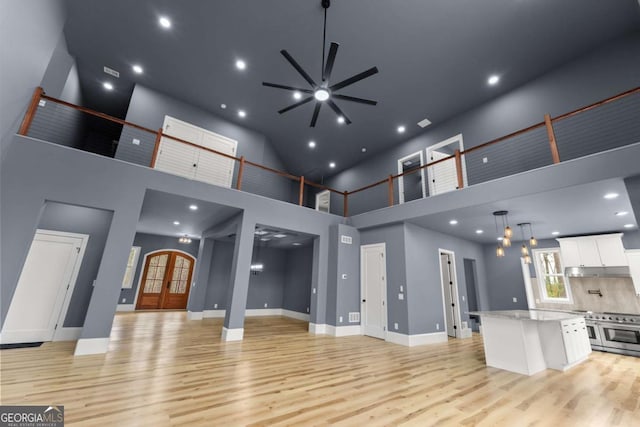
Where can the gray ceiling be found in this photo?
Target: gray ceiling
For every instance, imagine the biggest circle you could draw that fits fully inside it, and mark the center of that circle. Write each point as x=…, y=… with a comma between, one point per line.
x=160, y=210
x=434, y=58
x=576, y=210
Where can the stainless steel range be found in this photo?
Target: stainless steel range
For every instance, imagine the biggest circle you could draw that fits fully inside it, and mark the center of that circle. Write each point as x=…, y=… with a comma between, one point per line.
x=614, y=332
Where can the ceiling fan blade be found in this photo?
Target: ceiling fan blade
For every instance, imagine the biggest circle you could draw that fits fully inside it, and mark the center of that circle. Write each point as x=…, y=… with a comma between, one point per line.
x=278, y=86
x=331, y=58
x=297, y=104
x=354, y=79
x=298, y=68
x=316, y=111
x=353, y=99
x=338, y=111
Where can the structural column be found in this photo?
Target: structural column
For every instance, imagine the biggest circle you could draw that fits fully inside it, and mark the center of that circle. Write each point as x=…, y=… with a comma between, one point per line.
x=198, y=293
x=233, y=329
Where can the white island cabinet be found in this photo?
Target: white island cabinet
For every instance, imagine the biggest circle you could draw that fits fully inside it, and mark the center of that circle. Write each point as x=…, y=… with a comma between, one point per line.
x=530, y=341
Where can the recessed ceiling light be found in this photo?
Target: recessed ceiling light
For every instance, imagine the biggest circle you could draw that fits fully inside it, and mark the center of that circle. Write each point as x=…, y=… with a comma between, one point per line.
x=622, y=213
x=279, y=236
x=242, y=113
x=193, y=207
x=312, y=144
x=297, y=95
x=107, y=86
x=363, y=149
x=453, y=222
x=265, y=239
x=321, y=94
x=296, y=243
x=555, y=233
x=479, y=231
x=137, y=69
x=332, y=165
x=261, y=232
x=401, y=129
x=610, y=196
x=240, y=64
x=340, y=119
x=493, y=80
x=176, y=222
x=223, y=106
x=164, y=22
x=628, y=226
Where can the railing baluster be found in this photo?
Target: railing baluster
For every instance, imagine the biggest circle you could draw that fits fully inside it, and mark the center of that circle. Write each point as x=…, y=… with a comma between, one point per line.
x=459, y=168
x=390, y=179
x=552, y=139
x=345, y=203
x=240, y=173
x=31, y=111
x=301, y=193
x=156, y=147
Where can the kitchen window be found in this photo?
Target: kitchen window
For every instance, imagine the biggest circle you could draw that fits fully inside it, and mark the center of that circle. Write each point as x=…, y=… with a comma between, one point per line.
x=550, y=273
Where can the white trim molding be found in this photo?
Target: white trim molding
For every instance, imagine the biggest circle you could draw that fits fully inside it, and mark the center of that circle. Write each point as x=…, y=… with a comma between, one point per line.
x=295, y=315
x=67, y=334
x=86, y=346
x=416, y=339
x=195, y=315
x=344, y=331
x=250, y=312
x=126, y=307
x=207, y=314
x=317, y=329
x=235, y=334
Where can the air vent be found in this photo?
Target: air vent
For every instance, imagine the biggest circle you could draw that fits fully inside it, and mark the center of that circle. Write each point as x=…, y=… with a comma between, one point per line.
x=347, y=240
x=354, y=317
x=111, y=72
x=424, y=123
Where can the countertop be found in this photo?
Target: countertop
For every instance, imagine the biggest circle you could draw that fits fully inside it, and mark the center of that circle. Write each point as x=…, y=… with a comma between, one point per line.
x=535, y=315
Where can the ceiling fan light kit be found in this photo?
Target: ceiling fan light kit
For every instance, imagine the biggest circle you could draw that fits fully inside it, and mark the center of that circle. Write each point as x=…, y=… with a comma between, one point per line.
x=323, y=93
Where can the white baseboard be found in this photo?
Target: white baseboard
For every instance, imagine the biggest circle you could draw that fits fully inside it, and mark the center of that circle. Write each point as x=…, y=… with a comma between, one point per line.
x=207, y=314
x=126, y=307
x=250, y=312
x=86, y=346
x=67, y=334
x=195, y=315
x=232, y=334
x=417, y=339
x=295, y=315
x=344, y=331
x=317, y=329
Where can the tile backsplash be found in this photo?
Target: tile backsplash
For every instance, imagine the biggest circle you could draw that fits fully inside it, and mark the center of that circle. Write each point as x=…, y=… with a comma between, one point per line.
x=618, y=295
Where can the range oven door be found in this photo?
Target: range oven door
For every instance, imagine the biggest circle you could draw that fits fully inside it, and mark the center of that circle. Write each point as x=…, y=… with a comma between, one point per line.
x=594, y=335
x=621, y=337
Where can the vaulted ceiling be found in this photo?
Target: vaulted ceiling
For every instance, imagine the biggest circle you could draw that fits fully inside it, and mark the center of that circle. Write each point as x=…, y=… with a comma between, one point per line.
x=434, y=58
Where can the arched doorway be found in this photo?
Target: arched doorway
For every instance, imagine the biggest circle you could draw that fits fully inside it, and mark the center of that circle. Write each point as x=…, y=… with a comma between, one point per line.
x=166, y=281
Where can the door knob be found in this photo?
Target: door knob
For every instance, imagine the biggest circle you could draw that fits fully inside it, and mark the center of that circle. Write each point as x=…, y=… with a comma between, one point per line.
x=364, y=300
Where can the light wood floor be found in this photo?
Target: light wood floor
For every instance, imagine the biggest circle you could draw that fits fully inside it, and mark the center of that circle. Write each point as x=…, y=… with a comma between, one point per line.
x=162, y=370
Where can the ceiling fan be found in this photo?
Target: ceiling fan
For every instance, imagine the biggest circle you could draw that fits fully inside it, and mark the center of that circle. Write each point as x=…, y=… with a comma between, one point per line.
x=324, y=92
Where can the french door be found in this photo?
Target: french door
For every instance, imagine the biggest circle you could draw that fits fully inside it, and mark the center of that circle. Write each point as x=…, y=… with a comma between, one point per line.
x=166, y=281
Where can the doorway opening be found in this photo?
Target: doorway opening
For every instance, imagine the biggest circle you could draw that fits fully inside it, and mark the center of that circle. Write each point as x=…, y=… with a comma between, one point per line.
x=443, y=176
x=450, y=302
x=166, y=281
x=373, y=290
x=471, y=279
x=323, y=201
x=41, y=299
x=411, y=187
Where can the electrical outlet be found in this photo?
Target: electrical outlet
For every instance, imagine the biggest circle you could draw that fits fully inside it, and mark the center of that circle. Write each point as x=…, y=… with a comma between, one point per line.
x=215, y=305
x=124, y=300
x=395, y=326
x=135, y=141
x=437, y=326
x=515, y=299
x=340, y=319
x=314, y=290
x=400, y=296
x=401, y=288
x=485, y=159
x=307, y=309
x=265, y=305
x=462, y=297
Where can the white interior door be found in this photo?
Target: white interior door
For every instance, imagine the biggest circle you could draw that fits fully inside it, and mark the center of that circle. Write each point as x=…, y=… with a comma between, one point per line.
x=323, y=200
x=373, y=290
x=443, y=176
x=450, y=293
x=44, y=289
x=213, y=168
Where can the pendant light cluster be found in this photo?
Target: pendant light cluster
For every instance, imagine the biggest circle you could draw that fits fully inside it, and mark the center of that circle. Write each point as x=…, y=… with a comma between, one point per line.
x=507, y=235
x=184, y=239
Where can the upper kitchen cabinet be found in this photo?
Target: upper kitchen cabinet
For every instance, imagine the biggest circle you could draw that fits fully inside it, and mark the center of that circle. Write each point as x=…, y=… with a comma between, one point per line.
x=593, y=251
x=634, y=268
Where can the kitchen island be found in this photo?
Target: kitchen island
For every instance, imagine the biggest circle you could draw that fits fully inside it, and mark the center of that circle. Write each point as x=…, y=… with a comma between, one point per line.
x=530, y=341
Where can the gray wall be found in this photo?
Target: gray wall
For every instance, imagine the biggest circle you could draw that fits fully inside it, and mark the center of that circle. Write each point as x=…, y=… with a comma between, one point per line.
x=596, y=76
x=297, y=279
x=424, y=288
x=151, y=243
x=149, y=107
x=343, y=294
x=25, y=54
x=78, y=219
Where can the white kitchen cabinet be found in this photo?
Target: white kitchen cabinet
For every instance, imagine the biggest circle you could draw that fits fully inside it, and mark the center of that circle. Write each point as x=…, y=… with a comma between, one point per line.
x=565, y=343
x=633, y=256
x=593, y=251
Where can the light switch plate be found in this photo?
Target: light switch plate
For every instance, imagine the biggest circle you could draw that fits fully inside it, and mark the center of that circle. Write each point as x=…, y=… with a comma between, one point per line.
x=135, y=141
x=400, y=296
x=515, y=299
x=401, y=288
x=42, y=103
x=485, y=160
x=314, y=290
x=215, y=305
x=124, y=300
x=395, y=326
x=340, y=319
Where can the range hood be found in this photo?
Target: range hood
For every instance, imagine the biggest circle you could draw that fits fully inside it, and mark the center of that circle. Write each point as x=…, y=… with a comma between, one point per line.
x=604, y=272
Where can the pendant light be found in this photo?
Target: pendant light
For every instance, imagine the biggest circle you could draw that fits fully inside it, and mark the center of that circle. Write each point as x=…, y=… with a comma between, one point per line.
x=533, y=242
x=508, y=232
x=506, y=242
x=184, y=239
x=524, y=250
x=499, y=249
